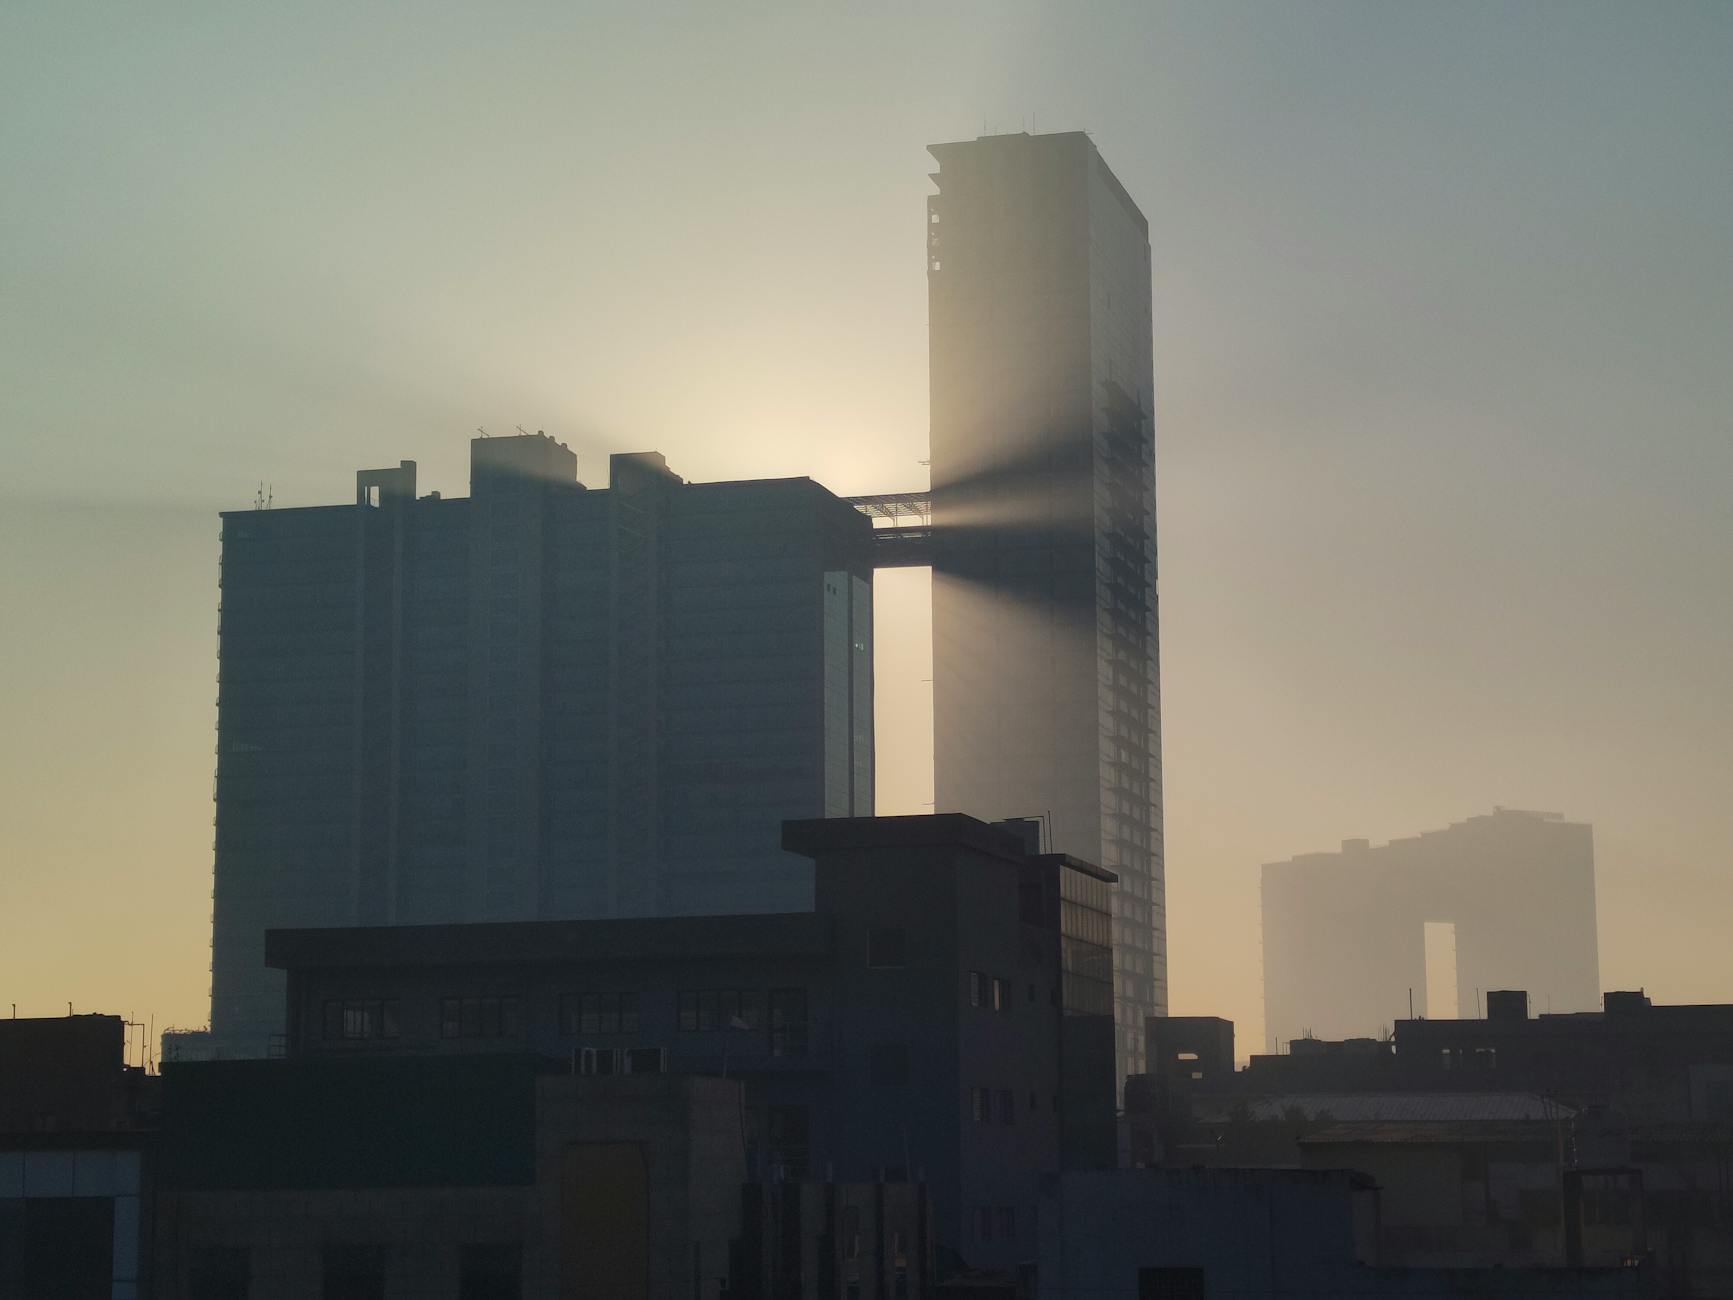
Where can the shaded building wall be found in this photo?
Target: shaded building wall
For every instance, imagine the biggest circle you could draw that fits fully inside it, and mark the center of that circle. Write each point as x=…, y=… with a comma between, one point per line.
x=539, y=701
x=70, y=1219
x=919, y=1026
x=1344, y=933
x=485, y=1180
x=1046, y=679
x=1197, y=1232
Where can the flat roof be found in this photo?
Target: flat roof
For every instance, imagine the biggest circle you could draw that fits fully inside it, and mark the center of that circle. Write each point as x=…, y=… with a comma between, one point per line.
x=812, y=836
x=516, y=943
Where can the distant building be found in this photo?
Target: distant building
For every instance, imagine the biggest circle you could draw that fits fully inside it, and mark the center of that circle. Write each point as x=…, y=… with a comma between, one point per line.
x=74, y=1125
x=1191, y=1053
x=1345, y=934
x=1046, y=663
x=1193, y=1233
x=537, y=702
x=943, y=1017
x=1511, y=1142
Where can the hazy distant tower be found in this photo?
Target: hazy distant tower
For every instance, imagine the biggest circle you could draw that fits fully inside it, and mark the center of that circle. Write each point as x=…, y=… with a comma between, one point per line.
x=1046, y=679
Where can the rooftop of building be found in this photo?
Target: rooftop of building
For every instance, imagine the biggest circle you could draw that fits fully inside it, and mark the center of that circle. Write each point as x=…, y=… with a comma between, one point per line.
x=643, y=939
x=813, y=836
x=495, y=455
x=1353, y=848
x=779, y=935
x=1441, y=1133
x=1383, y=1107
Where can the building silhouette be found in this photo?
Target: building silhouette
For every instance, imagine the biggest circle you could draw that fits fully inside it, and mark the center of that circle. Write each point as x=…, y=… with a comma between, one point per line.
x=942, y=1016
x=1046, y=684
x=1346, y=934
x=540, y=701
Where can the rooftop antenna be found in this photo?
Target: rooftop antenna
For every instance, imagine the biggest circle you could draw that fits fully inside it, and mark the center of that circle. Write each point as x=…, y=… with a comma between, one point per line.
x=521, y=429
x=262, y=498
x=481, y=431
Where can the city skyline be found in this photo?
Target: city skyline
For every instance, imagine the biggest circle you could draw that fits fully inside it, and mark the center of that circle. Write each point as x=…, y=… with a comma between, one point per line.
x=1441, y=408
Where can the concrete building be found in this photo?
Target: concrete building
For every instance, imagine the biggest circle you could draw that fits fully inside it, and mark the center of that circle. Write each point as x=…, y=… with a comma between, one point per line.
x=1659, y=1063
x=1505, y=901
x=1187, y=1234
x=74, y=1123
x=540, y=701
x=942, y=1017
x=472, y=1179
x=1046, y=684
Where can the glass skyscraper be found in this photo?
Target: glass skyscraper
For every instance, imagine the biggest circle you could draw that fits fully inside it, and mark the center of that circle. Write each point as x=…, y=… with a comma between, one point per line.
x=1046, y=677
x=537, y=702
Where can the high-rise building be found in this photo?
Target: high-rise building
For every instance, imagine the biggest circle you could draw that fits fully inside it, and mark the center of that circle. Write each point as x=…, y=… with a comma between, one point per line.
x=1357, y=940
x=537, y=702
x=1046, y=678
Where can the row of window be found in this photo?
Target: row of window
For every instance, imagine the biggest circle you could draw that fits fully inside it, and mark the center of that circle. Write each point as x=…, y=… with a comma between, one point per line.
x=994, y=1222
x=982, y=1109
x=582, y=1013
x=362, y=1018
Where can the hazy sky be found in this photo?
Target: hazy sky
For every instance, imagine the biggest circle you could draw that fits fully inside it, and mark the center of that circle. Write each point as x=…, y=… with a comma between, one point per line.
x=1444, y=359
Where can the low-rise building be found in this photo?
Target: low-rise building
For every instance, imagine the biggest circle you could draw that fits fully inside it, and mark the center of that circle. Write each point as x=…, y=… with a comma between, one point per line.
x=476, y=1178
x=74, y=1123
x=1187, y=1234
x=944, y=1016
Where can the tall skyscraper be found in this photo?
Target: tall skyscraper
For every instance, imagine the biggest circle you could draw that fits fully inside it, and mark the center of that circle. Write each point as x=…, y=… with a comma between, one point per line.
x=1046, y=679
x=537, y=702
x=1500, y=901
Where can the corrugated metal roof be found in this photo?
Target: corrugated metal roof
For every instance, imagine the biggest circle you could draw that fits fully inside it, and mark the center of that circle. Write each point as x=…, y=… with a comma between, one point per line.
x=1387, y=1107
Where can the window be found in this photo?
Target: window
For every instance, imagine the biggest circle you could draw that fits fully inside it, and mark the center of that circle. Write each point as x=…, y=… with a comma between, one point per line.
x=1001, y=994
x=851, y=1232
x=1007, y=1106
x=490, y=1272
x=646, y=1060
x=887, y=947
x=981, y=1105
x=1005, y=1222
x=888, y=1064
x=361, y=1018
x=982, y=1218
x=703, y=1010
x=478, y=1018
x=598, y=1013
x=977, y=988
x=788, y=1022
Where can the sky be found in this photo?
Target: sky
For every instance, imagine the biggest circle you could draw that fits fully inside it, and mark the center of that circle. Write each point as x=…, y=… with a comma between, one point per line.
x=1443, y=299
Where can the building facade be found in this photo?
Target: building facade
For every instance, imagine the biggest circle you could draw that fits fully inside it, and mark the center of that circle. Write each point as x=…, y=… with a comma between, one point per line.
x=942, y=1017
x=75, y=1120
x=1046, y=679
x=473, y=1179
x=1349, y=936
x=540, y=701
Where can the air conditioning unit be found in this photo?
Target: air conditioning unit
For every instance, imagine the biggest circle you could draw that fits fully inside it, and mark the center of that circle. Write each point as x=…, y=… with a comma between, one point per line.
x=646, y=1060
x=599, y=1061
